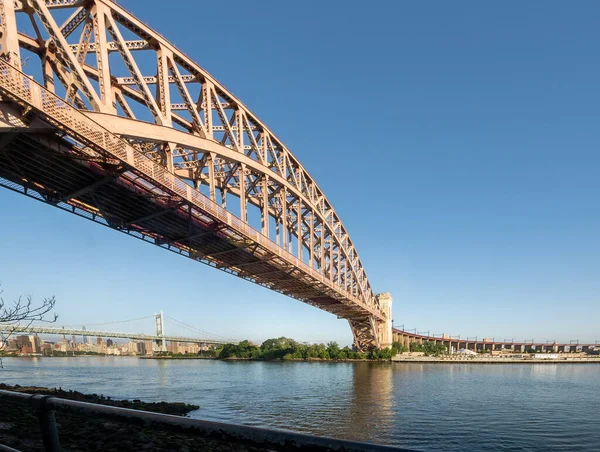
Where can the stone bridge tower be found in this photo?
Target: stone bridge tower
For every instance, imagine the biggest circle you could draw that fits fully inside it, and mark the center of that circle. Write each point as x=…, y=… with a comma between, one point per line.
x=385, y=328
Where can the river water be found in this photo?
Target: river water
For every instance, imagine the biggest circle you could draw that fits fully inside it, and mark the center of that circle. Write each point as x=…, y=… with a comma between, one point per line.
x=426, y=407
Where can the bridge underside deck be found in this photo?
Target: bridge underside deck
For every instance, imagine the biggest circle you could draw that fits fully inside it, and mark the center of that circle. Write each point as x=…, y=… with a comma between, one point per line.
x=58, y=172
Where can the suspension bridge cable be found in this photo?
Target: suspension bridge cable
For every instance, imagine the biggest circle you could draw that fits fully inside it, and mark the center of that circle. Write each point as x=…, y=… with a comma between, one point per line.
x=192, y=328
x=204, y=334
x=111, y=323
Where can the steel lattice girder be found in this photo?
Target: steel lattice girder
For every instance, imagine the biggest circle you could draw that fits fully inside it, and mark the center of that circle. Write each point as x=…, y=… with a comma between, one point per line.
x=28, y=329
x=199, y=130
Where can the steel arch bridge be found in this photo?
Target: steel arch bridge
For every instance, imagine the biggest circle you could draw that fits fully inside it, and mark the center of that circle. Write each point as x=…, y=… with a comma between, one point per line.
x=123, y=128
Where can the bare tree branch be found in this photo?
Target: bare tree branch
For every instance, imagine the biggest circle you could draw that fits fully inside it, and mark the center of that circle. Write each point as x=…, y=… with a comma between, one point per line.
x=21, y=313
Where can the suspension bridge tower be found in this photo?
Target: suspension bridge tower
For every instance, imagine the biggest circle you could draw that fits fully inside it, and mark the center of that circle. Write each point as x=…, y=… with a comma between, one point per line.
x=159, y=322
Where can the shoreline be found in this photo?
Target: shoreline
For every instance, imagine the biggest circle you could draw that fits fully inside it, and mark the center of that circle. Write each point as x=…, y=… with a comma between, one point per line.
x=184, y=357
x=208, y=358
x=20, y=425
x=118, y=430
x=413, y=360
x=173, y=408
x=497, y=361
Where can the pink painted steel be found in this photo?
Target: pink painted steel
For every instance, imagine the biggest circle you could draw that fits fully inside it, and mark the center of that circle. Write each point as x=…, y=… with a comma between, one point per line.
x=186, y=141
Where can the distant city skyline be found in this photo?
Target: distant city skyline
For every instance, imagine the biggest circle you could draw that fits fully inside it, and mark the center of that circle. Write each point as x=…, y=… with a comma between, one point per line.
x=27, y=344
x=460, y=151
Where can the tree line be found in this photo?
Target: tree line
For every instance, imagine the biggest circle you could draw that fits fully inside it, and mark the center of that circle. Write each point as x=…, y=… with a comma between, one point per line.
x=428, y=348
x=287, y=349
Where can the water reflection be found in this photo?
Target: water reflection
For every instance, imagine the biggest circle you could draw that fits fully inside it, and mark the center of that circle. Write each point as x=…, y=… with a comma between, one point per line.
x=371, y=413
x=162, y=373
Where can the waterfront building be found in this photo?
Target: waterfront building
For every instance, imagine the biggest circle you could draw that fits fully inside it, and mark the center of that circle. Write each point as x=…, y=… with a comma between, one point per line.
x=28, y=344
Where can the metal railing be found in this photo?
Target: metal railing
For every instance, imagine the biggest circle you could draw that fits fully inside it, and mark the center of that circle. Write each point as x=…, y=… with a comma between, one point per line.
x=45, y=406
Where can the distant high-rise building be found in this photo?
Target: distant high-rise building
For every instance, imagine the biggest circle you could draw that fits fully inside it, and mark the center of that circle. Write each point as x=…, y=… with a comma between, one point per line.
x=24, y=344
x=36, y=344
x=28, y=344
x=148, y=347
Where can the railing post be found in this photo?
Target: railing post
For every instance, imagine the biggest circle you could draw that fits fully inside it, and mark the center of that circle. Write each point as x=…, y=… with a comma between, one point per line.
x=47, y=424
x=36, y=96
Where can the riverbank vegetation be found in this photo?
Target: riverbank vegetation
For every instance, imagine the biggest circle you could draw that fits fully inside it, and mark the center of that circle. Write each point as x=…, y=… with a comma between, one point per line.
x=428, y=348
x=286, y=349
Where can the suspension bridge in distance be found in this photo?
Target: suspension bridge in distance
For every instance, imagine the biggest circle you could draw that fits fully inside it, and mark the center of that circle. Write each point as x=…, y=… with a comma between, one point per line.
x=159, y=337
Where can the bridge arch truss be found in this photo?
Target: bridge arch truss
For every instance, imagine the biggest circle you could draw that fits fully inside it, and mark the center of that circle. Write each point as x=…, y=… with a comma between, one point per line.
x=129, y=84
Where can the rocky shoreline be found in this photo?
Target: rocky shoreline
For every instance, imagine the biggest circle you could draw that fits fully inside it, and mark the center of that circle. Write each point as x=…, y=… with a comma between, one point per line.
x=175, y=408
x=113, y=432
x=19, y=427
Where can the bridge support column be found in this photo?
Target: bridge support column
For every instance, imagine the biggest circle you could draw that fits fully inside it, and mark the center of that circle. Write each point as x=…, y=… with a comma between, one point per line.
x=374, y=333
x=9, y=42
x=385, y=328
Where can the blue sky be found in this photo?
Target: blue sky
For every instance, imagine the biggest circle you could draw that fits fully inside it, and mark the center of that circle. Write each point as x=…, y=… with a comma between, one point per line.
x=457, y=141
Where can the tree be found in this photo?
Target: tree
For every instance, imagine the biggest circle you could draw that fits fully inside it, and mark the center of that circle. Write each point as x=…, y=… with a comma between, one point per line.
x=397, y=347
x=378, y=354
x=428, y=348
x=277, y=348
x=334, y=350
x=21, y=313
x=244, y=350
x=348, y=352
x=416, y=347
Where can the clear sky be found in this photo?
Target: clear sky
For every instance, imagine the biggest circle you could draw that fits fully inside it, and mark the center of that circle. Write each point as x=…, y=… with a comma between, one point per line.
x=459, y=142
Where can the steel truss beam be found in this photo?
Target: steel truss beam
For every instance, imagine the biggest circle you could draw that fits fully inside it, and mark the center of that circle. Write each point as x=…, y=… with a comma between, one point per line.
x=13, y=329
x=89, y=188
x=212, y=140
